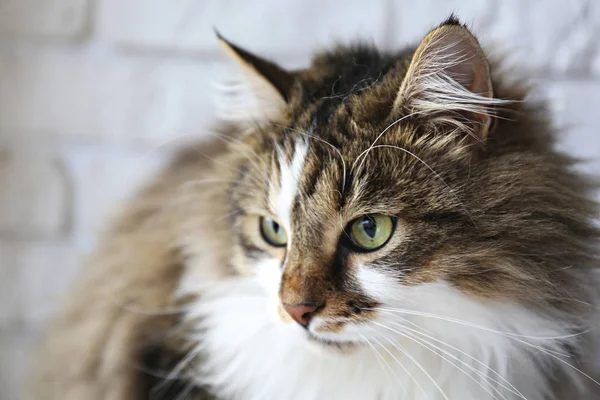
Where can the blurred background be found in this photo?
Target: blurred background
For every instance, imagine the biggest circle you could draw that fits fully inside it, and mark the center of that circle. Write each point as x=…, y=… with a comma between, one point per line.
x=95, y=95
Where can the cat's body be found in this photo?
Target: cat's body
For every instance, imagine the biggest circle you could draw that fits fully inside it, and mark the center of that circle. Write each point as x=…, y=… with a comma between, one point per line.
x=483, y=289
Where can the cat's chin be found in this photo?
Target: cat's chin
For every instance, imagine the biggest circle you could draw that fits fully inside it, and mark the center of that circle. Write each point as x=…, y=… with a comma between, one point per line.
x=330, y=346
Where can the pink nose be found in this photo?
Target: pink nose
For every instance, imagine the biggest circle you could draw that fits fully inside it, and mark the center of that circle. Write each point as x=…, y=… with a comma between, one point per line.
x=301, y=313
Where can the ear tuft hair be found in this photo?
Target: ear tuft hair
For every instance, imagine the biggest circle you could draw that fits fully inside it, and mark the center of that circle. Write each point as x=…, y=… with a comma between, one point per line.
x=449, y=82
x=451, y=20
x=259, y=92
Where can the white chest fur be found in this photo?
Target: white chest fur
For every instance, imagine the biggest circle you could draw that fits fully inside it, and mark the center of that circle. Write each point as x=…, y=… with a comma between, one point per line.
x=476, y=352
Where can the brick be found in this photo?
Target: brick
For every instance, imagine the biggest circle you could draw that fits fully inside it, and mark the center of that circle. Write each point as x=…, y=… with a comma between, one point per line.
x=10, y=298
x=57, y=18
x=268, y=27
x=34, y=196
x=594, y=52
x=50, y=95
x=15, y=351
x=35, y=276
x=557, y=36
x=573, y=105
x=104, y=181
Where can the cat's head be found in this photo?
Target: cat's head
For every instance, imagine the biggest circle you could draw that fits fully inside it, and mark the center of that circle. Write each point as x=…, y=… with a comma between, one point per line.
x=372, y=183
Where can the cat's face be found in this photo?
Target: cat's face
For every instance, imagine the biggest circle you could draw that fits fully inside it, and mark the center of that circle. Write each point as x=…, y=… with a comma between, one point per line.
x=336, y=236
x=334, y=247
x=354, y=202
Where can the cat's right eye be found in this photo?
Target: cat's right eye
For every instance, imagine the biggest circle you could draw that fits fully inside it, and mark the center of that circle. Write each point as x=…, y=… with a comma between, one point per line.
x=371, y=232
x=272, y=232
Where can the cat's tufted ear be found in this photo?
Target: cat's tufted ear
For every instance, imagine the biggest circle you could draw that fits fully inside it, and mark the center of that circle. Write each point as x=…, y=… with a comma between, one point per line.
x=263, y=90
x=448, y=81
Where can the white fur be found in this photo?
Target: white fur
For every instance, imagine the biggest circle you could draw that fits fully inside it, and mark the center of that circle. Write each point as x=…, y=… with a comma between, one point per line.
x=252, y=354
x=283, y=197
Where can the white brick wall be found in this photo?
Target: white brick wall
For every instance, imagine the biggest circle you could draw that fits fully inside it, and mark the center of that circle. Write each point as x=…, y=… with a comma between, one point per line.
x=281, y=28
x=103, y=177
x=94, y=94
x=34, y=196
x=64, y=19
x=33, y=276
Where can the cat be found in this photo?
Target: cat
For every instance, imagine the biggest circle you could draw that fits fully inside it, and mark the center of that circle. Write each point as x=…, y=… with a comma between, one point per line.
x=375, y=226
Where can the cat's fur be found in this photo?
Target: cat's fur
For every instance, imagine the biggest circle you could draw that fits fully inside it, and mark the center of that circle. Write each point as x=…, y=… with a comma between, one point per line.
x=485, y=290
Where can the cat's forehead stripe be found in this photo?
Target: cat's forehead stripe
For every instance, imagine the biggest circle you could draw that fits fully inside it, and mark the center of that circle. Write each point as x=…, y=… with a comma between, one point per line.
x=289, y=177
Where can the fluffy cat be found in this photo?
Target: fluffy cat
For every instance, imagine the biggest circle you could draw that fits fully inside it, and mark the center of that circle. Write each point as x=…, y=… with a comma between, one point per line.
x=376, y=226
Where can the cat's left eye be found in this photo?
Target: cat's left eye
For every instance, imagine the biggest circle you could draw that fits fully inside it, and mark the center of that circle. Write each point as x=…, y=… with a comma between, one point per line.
x=371, y=232
x=272, y=232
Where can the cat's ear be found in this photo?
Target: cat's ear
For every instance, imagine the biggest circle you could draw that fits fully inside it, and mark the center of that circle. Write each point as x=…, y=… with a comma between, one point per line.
x=448, y=81
x=263, y=90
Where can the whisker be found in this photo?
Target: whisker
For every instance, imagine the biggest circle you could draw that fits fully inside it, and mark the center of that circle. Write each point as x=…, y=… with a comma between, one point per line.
x=353, y=89
x=217, y=161
x=176, y=371
x=209, y=180
x=549, y=352
x=339, y=153
x=419, y=331
x=230, y=214
x=189, y=387
x=486, y=378
x=413, y=324
x=423, y=343
x=473, y=325
x=156, y=312
x=380, y=357
x=364, y=153
x=171, y=310
x=515, y=337
x=415, y=362
x=432, y=348
x=236, y=141
x=437, y=175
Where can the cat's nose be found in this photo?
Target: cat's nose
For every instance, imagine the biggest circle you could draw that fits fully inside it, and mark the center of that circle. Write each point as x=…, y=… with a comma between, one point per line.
x=301, y=313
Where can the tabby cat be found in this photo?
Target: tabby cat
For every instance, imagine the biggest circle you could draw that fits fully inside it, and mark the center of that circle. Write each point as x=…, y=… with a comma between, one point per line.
x=376, y=226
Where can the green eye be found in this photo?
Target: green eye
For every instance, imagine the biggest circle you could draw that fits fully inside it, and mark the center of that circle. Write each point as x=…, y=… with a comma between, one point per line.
x=272, y=232
x=371, y=231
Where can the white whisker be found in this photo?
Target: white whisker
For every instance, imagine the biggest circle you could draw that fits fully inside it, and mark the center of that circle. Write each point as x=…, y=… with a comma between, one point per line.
x=437, y=175
x=364, y=153
x=511, y=387
x=339, y=153
x=252, y=156
x=415, y=362
x=189, y=387
x=381, y=359
x=424, y=342
x=176, y=371
x=461, y=322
